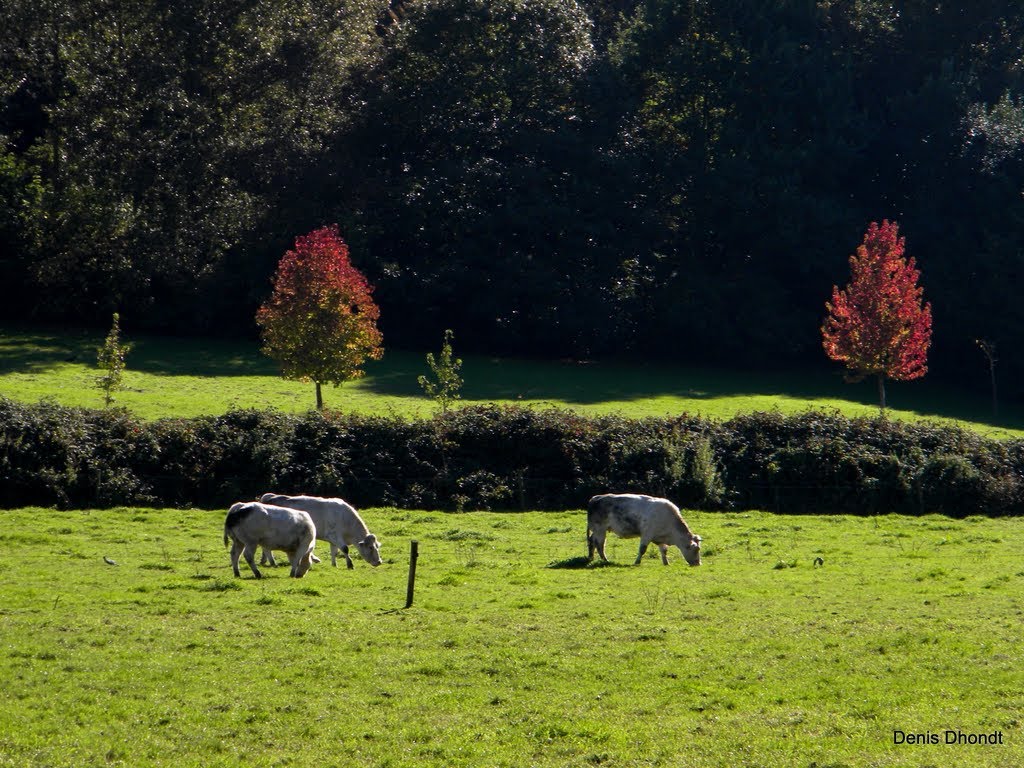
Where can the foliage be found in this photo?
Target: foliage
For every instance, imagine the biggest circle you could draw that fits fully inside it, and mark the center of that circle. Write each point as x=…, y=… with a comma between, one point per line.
x=491, y=457
x=163, y=136
x=877, y=326
x=447, y=382
x=320, y=323
x=110, y=358
x=561, y=177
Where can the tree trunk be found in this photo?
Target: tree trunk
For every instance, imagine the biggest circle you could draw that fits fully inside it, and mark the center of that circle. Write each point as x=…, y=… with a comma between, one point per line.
x=881, y=392
x=319, y=397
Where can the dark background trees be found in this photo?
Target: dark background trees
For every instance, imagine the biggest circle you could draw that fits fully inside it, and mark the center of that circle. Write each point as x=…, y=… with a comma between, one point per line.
x=558, y=177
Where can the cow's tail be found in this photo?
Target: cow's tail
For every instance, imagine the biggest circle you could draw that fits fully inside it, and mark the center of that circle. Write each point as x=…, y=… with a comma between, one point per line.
x=593, y=507
x=236, y=514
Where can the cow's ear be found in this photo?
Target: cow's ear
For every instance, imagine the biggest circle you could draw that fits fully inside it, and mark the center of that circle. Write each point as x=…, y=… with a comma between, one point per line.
x=697, y=539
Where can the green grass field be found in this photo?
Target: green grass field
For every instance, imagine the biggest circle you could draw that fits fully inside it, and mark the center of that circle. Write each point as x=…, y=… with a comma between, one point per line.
x=182, y=378
x=515, y=653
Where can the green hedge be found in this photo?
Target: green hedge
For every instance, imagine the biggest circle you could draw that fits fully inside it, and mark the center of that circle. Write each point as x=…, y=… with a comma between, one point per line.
x=504, y=458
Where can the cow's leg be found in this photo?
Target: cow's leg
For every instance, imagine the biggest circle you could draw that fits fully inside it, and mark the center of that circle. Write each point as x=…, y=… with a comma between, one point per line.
x=590, y=546
x=348, y=560
x=664, y=553
x=268, y=558
x=334, y=554
x=643, y=548
x=303, y=563
x=236, y=550
x=597, y=539
x=250, y=557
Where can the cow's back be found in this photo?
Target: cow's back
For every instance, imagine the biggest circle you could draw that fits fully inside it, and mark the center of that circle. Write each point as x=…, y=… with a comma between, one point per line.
x=333, y=517
x=239, y=513
x=622, y=513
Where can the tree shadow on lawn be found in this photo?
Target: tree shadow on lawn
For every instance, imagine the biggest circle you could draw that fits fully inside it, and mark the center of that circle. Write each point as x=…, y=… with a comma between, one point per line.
x=36, y=351
x=593, y=383
x=511, y=380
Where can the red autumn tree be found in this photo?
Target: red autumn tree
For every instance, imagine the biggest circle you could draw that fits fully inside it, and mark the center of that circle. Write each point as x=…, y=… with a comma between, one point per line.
x=320, y=322
x=878, y=325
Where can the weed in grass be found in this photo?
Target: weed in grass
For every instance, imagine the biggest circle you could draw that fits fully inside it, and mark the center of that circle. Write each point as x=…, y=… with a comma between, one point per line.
x=655, y=599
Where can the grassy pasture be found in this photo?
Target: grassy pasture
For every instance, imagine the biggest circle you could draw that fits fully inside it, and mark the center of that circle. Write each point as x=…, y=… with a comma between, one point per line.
x=515, y=653
x=182, y=378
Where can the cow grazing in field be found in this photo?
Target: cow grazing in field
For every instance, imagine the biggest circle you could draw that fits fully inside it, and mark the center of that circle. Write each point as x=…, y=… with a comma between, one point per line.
x=652, y=519
x=252, y=524
x=336, y=522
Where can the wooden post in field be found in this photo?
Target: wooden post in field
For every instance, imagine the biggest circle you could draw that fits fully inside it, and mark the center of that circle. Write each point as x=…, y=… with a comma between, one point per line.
x=413, y=555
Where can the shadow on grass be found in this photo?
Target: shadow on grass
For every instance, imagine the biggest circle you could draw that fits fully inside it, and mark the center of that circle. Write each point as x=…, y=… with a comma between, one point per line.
x=35, y=351
x=509, y=380
x=582, y=563
x=592, y=383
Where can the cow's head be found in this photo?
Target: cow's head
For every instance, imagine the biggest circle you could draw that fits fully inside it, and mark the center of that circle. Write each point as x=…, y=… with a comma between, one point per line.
x=691, y=551
x=369, y=550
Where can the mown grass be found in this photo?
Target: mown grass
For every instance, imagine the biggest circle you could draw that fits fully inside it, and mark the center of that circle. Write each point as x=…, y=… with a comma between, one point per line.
x=182, y=378
x=516, y=652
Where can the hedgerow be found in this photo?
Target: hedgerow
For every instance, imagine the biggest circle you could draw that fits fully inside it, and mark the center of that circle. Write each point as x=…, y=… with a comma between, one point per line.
x=502, y=457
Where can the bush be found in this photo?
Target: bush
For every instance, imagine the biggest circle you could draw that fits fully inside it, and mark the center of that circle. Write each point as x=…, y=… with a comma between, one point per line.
x=498, y=457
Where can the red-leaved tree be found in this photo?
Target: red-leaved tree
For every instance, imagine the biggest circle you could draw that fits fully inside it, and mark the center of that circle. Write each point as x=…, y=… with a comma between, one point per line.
x=320, y=322
x=878, y=325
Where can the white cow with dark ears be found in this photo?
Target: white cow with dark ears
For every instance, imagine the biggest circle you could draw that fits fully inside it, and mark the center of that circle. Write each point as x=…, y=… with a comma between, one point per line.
x=336, y=522
x=252, y=524
x=631, y=515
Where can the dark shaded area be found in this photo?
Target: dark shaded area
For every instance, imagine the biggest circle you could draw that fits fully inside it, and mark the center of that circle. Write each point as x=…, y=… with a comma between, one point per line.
x=582, y=563
x=505, y=458
x=668, y=180
x=27, y=350
x=570, y=563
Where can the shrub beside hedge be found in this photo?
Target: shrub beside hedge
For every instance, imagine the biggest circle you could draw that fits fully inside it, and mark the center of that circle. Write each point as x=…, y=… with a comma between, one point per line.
x=496, y=457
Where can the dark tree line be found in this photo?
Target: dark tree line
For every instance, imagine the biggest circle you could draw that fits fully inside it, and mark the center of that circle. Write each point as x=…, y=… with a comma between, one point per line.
x=685, y=178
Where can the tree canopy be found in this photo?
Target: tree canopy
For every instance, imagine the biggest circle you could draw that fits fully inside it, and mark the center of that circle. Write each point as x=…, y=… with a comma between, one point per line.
x=559, y=177
x=320, y=322
x=879, y=324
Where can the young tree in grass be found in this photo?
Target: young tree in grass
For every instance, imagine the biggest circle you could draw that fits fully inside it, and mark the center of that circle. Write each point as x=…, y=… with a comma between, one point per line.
x=110, y=358
x=988, y=348
x=445, y=386
x=320, y=322
x=878, y=325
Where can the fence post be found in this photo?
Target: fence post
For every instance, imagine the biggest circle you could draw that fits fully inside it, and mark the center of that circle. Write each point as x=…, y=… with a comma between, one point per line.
x=413, y=556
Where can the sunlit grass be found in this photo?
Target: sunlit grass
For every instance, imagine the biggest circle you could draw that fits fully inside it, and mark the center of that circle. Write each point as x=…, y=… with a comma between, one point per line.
x=183, y=378
x=516, y=651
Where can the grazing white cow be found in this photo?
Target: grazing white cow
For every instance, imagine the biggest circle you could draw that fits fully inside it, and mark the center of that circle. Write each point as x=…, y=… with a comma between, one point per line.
x=336, y=522
x=652, y=519
x=252, y=524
